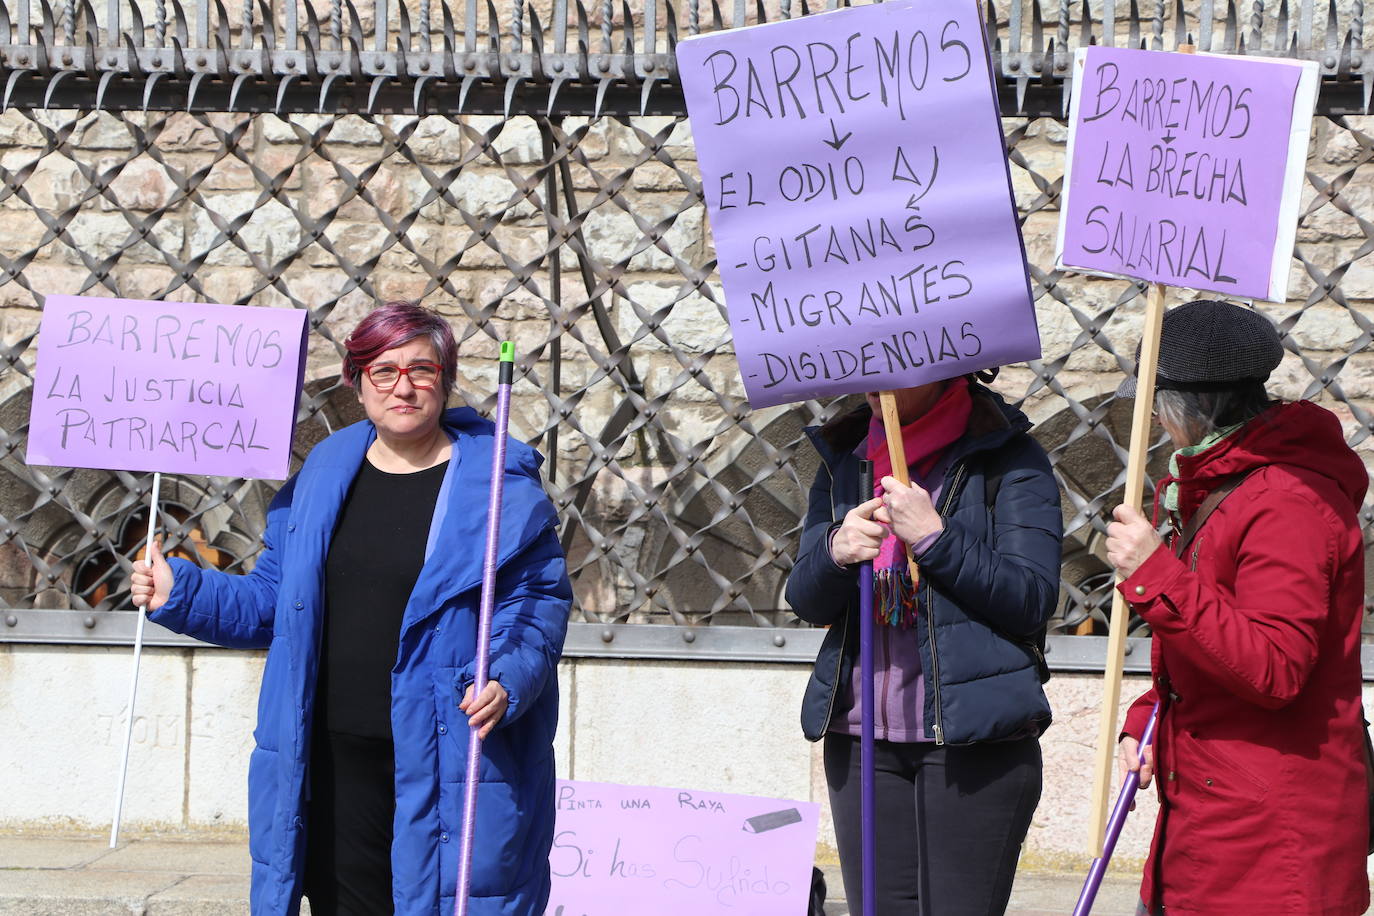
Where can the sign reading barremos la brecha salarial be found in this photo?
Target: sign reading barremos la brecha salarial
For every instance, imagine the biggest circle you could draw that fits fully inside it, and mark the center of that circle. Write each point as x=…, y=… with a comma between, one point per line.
x=1185, y=169
x=855, y=174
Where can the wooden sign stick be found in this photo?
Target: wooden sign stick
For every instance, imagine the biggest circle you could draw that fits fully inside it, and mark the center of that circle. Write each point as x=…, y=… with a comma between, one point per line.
x=1134, y=497
x=892, y=425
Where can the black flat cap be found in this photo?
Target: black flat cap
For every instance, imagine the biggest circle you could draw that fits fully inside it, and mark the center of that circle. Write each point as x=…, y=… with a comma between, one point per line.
x=1209, y=345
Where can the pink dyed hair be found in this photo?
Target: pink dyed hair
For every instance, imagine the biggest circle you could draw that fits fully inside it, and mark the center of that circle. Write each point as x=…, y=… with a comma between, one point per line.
x=395, y=324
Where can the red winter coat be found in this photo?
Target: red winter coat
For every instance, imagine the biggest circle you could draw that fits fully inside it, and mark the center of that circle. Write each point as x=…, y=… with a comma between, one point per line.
x=1259, y=756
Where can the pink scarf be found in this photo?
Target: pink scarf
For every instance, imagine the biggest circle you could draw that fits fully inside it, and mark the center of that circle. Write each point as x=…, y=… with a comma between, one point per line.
x=924, y=440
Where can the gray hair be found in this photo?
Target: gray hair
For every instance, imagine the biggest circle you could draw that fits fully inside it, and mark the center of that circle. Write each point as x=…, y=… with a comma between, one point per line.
x=1200, y=413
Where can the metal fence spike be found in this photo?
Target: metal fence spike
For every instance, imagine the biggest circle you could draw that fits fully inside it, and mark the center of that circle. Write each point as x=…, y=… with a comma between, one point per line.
x=134, y=66
x=377, y=83
x=56, y=81
x=16, y=75
x=644, y=92
x=282, y=88
x=602, y=86
x=102, y=86
x=493, y=29
x=670, y=30
x=355, y=28
x=324, y=89
x=556, y=85
x=181, y=28
x=47, y=27
x=237, y=85
x=149, y=84
x=417, y=100
x=512, y=83
x=222, y=37
x=468, y=82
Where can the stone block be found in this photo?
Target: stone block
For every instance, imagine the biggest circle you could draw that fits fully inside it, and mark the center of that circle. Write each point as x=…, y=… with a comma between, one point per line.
x=438, y=139
x=421, y=241
x=231, y=174
x=53, y=184
x=24, y=232
x=232, y=285
x=18, y=130
x=354, y=130
x=1325, y=327
x=271, y=232
x=1059, y=833
x=485, y=193
x=289, y=129
x=69, y=704
x=1329, y=221
x=612, y=235
x=678, y=142
x=185, y=132
x=745, y=750
x=18, y=324
x=144, y=282
x=224, y=698
x=693, y=323
x=595, y=141
x=392, y=285
x=522, y=244
x=517, y=142
x=99, y=235
x=103, y=130
x=386, y=192
x=140, y=185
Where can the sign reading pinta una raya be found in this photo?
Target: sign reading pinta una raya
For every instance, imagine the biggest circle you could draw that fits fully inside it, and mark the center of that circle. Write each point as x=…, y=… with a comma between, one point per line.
x=1185, y=169
x=621, y=850
x=176, y=387
x=856, y=177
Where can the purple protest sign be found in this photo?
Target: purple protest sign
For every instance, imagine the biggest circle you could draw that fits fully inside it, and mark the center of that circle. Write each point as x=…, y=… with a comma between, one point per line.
x=178, y=387
x=856, y=177
x=1185, y=169
x=672, y=852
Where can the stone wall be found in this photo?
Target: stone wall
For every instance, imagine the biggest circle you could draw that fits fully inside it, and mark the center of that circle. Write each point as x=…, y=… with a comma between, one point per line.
x=337, y=213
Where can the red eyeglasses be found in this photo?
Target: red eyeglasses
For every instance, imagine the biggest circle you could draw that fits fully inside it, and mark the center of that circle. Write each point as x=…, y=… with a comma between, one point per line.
x=422, y=375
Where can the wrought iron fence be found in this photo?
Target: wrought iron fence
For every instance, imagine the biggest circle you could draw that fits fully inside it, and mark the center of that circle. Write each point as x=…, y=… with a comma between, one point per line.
x=531, y=175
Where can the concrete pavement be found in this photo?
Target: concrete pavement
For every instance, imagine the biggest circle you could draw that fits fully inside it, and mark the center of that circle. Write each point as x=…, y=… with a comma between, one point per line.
x=50, y=875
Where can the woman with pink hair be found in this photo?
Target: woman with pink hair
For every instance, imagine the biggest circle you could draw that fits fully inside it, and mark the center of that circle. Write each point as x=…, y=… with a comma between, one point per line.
x=366, y=597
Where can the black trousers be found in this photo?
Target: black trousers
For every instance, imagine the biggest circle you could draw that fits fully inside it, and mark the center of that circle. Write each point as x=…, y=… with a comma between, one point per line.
x=348, y=834
x=950, y=823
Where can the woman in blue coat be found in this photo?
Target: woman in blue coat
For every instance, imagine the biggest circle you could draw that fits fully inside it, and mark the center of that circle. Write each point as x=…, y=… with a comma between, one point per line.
x=959, y=662
x=366, y=598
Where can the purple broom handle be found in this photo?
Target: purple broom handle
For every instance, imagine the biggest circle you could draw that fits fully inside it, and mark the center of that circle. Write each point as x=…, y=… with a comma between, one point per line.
x=1114, y=825
x=867, y=805
x=479, y=680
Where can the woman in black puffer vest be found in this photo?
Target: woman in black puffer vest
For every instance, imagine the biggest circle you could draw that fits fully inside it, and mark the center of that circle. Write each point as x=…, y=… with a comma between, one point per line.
x=959, y=660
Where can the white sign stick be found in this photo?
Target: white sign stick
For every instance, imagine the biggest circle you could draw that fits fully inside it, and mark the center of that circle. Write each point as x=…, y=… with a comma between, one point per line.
x=133, y=680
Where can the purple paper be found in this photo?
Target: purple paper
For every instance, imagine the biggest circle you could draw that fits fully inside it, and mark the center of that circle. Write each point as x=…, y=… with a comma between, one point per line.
x=675, y=852
x=856, y=176
x=178, y=387
x=1178, y=169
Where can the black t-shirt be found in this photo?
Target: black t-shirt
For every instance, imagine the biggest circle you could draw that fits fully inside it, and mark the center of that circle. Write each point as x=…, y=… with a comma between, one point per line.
x=374, y=560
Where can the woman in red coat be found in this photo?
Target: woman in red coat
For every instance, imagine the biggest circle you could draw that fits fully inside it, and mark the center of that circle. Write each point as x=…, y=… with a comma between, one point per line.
x=1259, y=757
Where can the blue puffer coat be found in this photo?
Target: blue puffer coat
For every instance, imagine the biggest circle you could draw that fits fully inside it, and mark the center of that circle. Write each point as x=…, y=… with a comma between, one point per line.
x=989, y=582
x=280, y=606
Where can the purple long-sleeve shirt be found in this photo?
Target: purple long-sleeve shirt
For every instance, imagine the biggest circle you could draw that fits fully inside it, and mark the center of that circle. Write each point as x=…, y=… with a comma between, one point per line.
x=898, y=687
